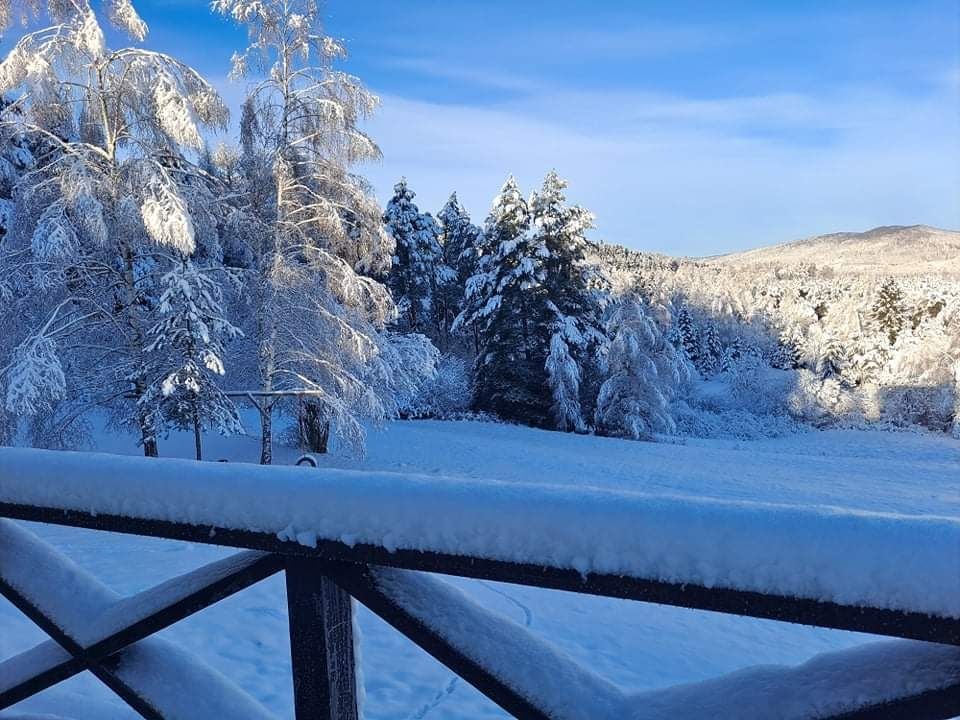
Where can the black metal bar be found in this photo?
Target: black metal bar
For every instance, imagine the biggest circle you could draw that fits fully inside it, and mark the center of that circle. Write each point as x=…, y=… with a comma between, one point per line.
x=360, y=583
x=942, y=704
x=877, y=621
x=321, y=644
x=183, y=607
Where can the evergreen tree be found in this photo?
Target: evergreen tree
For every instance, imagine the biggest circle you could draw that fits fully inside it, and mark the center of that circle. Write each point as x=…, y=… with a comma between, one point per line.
x=833, y=358
x=575, y=291
x=732, y=354
x=188, y=347
x=507, y=302
x=459, y=242
x=711, y=351
x=563, y=374
x=416, y=260
x=632, y=401
x=571, y=281
x=685, y=336
x=889, y=312
x=787, y=355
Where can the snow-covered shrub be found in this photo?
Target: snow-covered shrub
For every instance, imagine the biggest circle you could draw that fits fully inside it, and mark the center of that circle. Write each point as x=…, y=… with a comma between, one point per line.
x=931, y=407
x=759, y=389
x=406, y=365
x=35, y=377
x=446, y=395
x=822, y=401
x=745, y=403
x=730, y=423
x=956, y=401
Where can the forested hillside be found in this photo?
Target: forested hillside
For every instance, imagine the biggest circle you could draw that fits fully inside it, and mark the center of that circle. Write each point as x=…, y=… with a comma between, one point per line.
x=893, y=250
x=855, y=346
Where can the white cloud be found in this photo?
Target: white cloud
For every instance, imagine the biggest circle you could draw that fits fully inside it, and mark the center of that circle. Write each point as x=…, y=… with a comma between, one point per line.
x=690, y=176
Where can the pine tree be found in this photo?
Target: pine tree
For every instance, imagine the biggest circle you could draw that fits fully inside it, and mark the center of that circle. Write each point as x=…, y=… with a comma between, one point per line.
x=571, y=280
x=507, y=301
x=563, y=374
x=416, y=261
x=787, y=355
x=889, y=312
x=685, y=335
x=187, y=345
x=833, y=358
x=575, y=292
x=711, y=351
x=732, y=354
x=459, y=241
x=632, y=401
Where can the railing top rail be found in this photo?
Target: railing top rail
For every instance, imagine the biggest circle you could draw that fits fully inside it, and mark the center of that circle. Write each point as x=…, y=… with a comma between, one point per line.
x=766, y=561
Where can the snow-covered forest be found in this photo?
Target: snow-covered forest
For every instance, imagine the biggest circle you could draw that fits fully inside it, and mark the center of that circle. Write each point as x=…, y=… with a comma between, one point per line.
x=162, y=269
x=526, y=469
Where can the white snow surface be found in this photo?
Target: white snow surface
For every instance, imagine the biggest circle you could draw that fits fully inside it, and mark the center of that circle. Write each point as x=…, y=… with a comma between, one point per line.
x=638, y=647
x=881, y=559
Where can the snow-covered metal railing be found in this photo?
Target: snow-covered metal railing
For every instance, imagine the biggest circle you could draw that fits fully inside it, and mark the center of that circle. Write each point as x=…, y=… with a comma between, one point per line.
x=371, y=536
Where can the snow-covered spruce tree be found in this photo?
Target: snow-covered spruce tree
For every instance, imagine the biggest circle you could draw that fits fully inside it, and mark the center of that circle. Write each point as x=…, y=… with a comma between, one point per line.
x=633, y=402
x=563, y=376
x=459, y=241
x=417, y=262
x=186, y=349
x=108, y=196
x=575, y=291
x=316, y=238
x=711, y=351
x=685, y=334
x=507, y=301
x=787, y=355
x=888, y=312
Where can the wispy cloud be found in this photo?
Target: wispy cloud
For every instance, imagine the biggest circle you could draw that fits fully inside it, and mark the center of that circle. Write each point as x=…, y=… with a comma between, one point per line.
x=693, y=176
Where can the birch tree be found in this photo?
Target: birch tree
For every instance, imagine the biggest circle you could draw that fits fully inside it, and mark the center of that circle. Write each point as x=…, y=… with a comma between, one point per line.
x=106, y=200
x=317, y=240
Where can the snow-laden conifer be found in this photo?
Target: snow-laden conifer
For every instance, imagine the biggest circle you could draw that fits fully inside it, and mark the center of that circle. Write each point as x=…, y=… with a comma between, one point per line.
x=460, y=242
x=186, y=353
x=507, y=301
x=418, y=265
x=634, y=400
x=888, y=311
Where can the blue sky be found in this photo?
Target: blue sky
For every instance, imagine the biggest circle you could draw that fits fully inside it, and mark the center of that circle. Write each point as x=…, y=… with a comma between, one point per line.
x=687, y=127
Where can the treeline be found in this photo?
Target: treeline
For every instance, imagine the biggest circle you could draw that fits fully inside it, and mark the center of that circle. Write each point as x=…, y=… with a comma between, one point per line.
x=549, y=342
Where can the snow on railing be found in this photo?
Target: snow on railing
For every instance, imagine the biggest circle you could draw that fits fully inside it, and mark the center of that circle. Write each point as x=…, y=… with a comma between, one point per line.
x=338, y=534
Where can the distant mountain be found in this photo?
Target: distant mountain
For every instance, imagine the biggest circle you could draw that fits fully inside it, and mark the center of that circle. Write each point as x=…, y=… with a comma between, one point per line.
x=889, y=250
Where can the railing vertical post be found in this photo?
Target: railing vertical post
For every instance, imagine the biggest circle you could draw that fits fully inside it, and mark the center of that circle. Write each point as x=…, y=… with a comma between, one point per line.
x=321, y=644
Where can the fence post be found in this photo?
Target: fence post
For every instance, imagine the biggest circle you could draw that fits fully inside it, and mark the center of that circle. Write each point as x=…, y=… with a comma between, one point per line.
x=321, y=644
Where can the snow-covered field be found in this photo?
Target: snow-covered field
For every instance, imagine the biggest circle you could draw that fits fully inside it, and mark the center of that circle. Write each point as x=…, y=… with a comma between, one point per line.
x=636, y=646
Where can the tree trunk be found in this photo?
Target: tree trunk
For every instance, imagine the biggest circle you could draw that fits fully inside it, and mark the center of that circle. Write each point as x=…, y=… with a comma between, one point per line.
x=266, y=435
x=150, y=447
x=196, y=435
x=314, y=427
